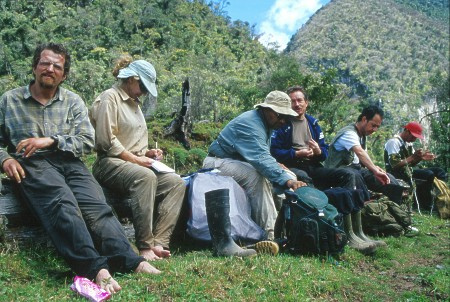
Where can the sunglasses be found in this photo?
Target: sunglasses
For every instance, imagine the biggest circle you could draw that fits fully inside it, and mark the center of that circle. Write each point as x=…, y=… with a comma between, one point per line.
x=142, y=87
x=282, y=116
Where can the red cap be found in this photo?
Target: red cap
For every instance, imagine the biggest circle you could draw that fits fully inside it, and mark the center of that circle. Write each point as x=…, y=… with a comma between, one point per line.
x=415, y=128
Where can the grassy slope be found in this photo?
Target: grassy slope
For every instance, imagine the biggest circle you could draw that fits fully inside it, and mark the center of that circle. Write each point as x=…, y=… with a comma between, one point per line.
x=410, y=269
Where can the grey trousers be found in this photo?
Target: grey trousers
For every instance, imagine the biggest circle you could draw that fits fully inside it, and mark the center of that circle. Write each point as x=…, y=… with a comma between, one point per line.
x=257, y=188
x=70, y=204
x=393, y=190
x=156, y=198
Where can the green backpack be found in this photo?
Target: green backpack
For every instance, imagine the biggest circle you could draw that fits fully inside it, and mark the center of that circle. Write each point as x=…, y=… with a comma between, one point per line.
x=384, y=218
x=308, y=224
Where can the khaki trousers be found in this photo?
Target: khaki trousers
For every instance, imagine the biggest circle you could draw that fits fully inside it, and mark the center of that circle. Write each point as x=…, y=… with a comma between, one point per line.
x=156, y=198
x=257, y=188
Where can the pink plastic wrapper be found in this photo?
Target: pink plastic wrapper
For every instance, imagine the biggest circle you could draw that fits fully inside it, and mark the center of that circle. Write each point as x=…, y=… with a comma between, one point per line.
x=89, y=289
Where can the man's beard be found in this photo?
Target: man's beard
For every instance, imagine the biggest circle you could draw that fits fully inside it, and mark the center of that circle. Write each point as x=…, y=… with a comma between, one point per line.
x=47, y=85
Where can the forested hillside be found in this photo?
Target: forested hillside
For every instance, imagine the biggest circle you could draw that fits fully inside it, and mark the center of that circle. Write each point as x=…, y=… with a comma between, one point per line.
x=387, y=50
x=350, y=53
x=181, y=38
x=390, y=52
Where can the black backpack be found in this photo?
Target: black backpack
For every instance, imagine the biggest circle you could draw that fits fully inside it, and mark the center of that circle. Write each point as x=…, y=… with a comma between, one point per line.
x=307, y=224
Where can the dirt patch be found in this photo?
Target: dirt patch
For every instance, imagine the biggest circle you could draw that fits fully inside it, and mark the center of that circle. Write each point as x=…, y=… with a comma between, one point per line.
x=402, y=283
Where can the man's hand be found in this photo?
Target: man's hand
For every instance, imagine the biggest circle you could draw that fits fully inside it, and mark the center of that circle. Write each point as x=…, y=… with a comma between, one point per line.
x=295, y=184
x=417, y=156
x=32, y=144
x=428, y=156
x=381, y=175
x=13, y=169
x=314, y=146
x=308, y=152
x=156, y=154
x=282, y=166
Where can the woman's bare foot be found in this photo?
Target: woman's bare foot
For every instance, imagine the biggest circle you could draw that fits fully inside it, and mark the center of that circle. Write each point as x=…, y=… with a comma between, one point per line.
x=147, y=268
x=161, y=252
x=106, y=281
x=149, y=254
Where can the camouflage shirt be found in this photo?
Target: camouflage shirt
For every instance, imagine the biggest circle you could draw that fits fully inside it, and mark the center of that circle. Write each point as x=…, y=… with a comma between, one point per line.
x=396, y=150
x=65, y=118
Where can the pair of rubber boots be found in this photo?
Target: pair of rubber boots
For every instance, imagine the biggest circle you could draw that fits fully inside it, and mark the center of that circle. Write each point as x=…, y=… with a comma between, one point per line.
x=356, y=237
x=217, y=204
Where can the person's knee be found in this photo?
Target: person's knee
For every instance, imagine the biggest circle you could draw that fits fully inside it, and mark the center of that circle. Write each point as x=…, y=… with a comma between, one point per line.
x=178, y=185
x=428, y=175
x=179, y=182
x=347, y=180
x=440, y=173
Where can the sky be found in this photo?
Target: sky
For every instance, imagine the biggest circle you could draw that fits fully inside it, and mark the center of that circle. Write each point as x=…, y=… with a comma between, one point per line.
x=277, y=20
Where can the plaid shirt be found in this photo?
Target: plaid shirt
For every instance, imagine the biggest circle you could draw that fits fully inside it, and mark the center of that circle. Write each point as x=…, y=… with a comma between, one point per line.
x=65, y=117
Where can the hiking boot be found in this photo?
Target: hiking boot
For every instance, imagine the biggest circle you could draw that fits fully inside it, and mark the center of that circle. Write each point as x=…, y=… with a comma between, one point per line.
x=391, y=229
x=217, y=204
x=266, y=247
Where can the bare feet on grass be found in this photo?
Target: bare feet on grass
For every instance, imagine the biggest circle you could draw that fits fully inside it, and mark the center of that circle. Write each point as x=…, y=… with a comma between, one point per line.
x=161, y=252
x=106, y=281
x=149, y=255
x=146, y=268
x=154, y=253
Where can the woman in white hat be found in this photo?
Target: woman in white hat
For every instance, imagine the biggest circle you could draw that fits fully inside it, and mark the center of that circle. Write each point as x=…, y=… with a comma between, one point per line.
x=124, y=158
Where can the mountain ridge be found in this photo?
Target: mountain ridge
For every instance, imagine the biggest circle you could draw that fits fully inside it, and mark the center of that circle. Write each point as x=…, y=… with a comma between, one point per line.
x=388, y=47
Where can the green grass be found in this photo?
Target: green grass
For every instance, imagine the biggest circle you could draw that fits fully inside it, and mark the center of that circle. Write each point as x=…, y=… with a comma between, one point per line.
x=409, y=269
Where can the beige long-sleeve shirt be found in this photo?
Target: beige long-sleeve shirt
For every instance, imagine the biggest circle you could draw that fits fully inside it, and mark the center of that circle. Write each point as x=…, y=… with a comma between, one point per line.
x=119, y=124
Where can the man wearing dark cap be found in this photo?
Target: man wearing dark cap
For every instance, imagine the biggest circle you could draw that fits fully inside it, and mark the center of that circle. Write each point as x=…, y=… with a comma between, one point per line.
x=400, y=157
x=242, y=150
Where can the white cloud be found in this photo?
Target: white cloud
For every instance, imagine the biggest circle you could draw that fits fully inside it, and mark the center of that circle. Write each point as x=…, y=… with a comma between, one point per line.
x=272, y=37
x=284, y=18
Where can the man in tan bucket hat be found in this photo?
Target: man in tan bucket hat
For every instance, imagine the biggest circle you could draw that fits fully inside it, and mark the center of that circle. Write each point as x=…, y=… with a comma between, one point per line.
x=242, y=151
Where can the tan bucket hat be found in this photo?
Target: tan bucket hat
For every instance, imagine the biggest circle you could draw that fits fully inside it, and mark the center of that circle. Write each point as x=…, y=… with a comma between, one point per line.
x=279, y=102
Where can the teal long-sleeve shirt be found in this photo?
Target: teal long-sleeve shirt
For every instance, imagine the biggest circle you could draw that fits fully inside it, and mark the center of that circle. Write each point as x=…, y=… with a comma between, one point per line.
x=247, y=138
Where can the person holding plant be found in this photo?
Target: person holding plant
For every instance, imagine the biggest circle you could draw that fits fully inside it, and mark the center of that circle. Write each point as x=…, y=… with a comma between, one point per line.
x=401, y=160
x=124, y=160
x=300, y=146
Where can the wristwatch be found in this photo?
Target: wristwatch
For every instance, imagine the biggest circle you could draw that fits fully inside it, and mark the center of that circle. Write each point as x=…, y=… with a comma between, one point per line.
x=55, y=143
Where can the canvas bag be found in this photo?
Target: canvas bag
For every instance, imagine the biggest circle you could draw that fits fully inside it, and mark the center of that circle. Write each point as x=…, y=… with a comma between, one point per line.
x=384, y=217
x=442, y=199
x=242, y=226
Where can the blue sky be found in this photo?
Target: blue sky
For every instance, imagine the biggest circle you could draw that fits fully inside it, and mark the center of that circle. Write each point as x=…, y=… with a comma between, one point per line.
x=278, y=20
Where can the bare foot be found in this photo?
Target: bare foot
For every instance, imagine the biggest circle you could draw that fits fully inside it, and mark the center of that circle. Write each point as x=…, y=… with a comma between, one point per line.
x=106, y=281
x=146, y=268
x=161, y=252
x=149, y=254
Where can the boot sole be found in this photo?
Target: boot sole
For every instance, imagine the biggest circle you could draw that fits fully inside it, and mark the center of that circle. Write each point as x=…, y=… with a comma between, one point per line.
x=365, y=248
x=377, y=243
x=267, y=247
